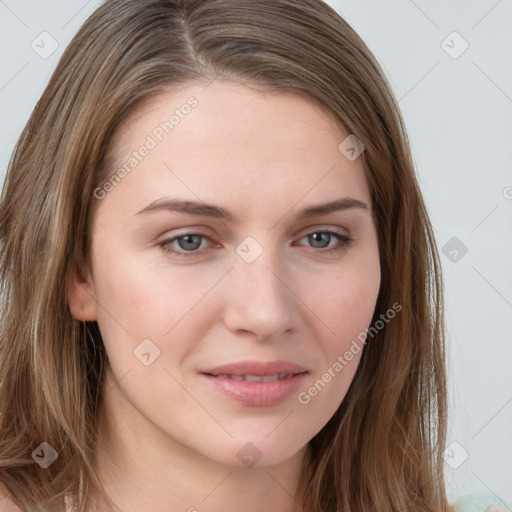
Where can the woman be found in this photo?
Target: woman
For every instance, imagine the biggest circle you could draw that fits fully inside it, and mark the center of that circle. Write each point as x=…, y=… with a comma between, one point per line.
x=253, y=149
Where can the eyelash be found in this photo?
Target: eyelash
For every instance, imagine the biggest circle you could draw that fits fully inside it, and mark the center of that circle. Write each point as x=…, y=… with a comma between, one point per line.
x=345, y=242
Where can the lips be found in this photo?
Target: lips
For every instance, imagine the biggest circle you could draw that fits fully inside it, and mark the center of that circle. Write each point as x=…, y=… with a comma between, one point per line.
x=256, y=378
x=256, y=369
x=254, y=383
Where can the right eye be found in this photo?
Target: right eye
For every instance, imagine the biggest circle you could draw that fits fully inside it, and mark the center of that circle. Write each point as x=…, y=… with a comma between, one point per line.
x=188, y=244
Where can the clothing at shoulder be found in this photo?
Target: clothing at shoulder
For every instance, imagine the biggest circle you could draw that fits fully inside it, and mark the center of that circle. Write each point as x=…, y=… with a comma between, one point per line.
x=481, y=502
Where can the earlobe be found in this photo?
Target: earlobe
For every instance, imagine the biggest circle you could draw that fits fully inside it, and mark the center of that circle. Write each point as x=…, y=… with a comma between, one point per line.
x=81, y=297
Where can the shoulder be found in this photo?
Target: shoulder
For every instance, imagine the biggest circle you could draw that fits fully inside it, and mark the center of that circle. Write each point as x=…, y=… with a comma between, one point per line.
x=480, y=502
x=6, y=504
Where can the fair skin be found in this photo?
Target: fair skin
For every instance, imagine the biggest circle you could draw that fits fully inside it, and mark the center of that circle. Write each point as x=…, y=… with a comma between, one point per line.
x=264, y=157
x=169, y=440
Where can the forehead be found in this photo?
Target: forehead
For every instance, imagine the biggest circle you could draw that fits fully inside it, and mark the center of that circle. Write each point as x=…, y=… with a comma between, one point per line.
x=230, y=142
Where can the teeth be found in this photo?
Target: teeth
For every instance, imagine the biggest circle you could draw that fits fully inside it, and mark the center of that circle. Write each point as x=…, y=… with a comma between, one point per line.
x=256, y=378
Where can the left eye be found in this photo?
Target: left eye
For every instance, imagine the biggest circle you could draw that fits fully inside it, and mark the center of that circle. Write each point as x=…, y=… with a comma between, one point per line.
x=190, y=242
x=327, y=234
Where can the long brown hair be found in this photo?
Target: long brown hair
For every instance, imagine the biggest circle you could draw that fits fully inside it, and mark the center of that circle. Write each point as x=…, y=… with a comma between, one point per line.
x=382, y=449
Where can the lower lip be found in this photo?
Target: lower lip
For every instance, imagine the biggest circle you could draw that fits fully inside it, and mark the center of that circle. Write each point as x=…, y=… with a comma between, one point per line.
x=258, y=393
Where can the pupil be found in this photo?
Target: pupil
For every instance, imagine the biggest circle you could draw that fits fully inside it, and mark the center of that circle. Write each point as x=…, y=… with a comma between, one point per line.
x=316, y=235
x=188, y=239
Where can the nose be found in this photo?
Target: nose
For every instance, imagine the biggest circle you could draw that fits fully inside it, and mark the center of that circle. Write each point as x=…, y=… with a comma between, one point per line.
x=261, y=299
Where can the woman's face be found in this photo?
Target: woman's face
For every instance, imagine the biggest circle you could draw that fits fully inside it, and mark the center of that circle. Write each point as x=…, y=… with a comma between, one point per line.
x=238, y=273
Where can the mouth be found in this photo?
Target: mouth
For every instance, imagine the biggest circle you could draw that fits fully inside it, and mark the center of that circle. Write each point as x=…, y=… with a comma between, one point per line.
x=257, y=383
x=278, y=369
x=255, y=378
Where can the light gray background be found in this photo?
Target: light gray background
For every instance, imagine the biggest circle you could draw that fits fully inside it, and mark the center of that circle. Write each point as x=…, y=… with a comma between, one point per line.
x=458, y=112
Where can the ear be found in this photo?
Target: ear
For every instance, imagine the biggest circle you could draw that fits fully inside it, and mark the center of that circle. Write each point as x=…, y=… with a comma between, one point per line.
x=81, y=295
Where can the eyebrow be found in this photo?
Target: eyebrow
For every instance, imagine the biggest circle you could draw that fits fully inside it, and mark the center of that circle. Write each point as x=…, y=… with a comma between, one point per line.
x=211, y=210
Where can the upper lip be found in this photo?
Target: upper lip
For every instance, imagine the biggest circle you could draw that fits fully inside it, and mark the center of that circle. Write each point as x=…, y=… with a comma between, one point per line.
x=256, y=368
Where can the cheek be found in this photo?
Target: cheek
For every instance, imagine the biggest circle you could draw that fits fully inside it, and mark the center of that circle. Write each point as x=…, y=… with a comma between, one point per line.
x=346, y=301
x=343, y=311
x=140, y=298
